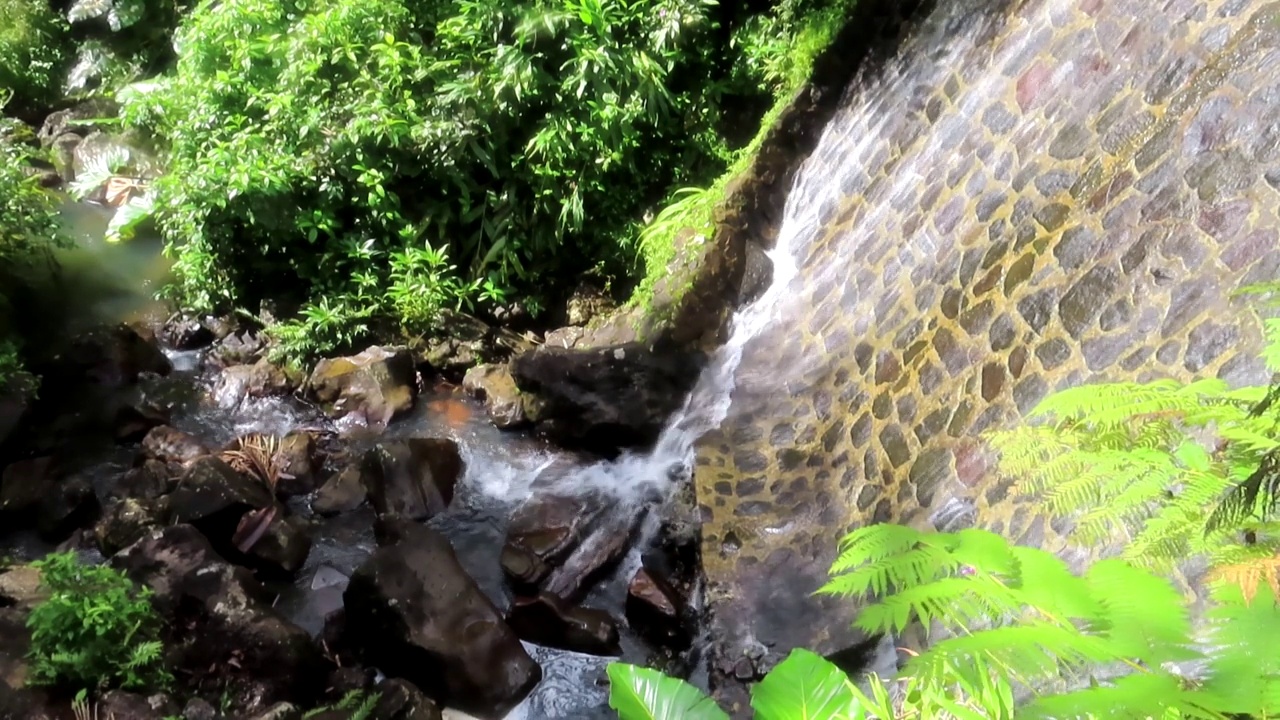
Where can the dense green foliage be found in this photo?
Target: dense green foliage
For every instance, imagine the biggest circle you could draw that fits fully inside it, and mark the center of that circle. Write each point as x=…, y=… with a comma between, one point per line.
x=125, y=40
x=33, y=54
x=95, y=629
x=440, y=149
x=28, y=230
x=1024, y=635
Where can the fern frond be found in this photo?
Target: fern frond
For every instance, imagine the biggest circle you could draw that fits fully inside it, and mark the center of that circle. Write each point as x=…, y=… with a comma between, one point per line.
x=1250, y=574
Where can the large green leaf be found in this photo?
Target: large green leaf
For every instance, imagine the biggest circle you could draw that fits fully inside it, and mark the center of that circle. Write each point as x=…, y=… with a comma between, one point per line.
x=804, y=687
x=642, y=694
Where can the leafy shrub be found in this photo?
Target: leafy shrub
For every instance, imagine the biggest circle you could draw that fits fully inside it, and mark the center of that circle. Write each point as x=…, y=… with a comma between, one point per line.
x=127, y=39
x=28, y=230
x=96, y=629
x=450, y=150
x=33, y=53
x=802, y=687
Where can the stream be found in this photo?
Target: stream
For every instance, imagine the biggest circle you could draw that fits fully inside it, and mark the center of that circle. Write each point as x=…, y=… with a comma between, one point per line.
x=111, y=283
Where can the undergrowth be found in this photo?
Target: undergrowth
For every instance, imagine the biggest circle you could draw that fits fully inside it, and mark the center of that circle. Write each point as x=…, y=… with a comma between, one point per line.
x=34, y=49
x=95, y=629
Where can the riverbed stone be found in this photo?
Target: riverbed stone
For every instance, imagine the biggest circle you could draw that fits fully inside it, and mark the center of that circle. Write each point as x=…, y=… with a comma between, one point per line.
x=262, y=379
x=23, y=483
x=221, y=627
x=414, y=478
x=299, y=464
x=605, y=399
x=546, y=619
x=559, y=541
x=493, y=384
x=126, y=520
x=654, y=610
x=68, y=505
x=374, y=386
x=342, y=492
x=170, y=445
x=135, y=706
x=417, y=615
x=147, y=481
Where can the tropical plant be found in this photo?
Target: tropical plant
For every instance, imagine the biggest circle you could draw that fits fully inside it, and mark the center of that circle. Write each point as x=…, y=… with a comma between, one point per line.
x=804, y=686
x=358, y=702
x=258, y=456
x=94, y=629
x=34, y=46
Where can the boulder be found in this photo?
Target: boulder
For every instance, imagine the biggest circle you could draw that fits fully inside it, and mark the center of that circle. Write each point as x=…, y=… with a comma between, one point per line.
x=342, y=492
x=588, y=304
x=186, y=332
x=547, y=620
x=299, y=464
x=239, y=348
x=134, y=420
x=414, y=478
x=76, y=119
x=15, y=643
x=20, y=587
x=69, y=505
x=604, y=399
x=374, y=386
x=494, y=385
x=127, y=520
x=110, y=357
x=654, y=610
x=240, y=516
x=24, y=483
x=565, y=337
x=170, y=445
x=134, y=706
x=400, y=700
x=221, y=626
x=263, y=378
x=147, y=481
x=561, y=541
x=417, y=615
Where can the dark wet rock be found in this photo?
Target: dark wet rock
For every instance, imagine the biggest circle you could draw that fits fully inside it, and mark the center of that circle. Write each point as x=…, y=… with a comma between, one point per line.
x=186, y=332
x=279, y=711
x=20, y=703
x=211, y=489
x=345, y=680
x=494, y=385
x=417, y=615
x=604, y=399
x=221, y=626
x=414, y=478
x=654, y=610
x=240, y=517
x=757, y=274
x=147, y=481
x=283, y=547
x=239, y=348
x=109, y=357
x=400, y=700
x=63, y=152
x=127, y=520
x=134, y=420
x=199, y=709
x=560, y=542
x=460, y=342
x=375, y=386
x=548, y=620
x=70, y=504
x=15, y=399
x=343, y=491
x=15, y=642
x=170, y=445
x=121, y=704
x=261, y=379
x=24, y=483
x=299, y=464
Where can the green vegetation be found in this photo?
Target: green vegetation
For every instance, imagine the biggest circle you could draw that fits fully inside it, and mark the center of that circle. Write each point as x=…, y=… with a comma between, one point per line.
x=778, y=51
x=359, y=702
x=96, y=629
x=34, y=49
x=28, y=231
x=802, y=687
